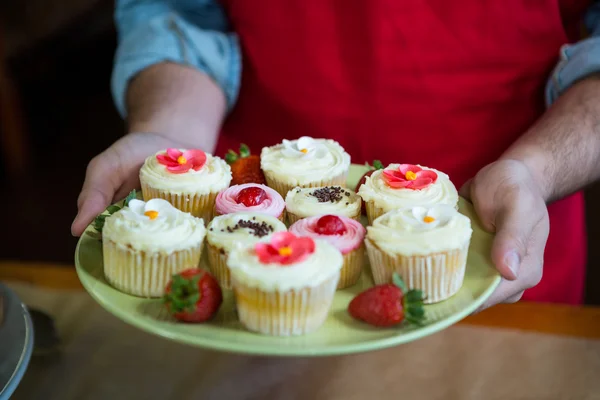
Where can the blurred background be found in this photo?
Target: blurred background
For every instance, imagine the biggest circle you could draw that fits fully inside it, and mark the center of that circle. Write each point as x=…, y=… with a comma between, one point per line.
x=56, y=113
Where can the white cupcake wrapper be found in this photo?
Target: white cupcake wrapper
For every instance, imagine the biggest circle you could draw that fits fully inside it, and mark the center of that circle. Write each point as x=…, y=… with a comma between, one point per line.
x=199, y=205
x=438, y=275
x=145, y=274
x=294, y=312
x=217, y=265
x=352, y=268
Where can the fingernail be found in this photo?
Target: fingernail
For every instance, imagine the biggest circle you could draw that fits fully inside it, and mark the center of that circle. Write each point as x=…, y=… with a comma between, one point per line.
x=513, y=261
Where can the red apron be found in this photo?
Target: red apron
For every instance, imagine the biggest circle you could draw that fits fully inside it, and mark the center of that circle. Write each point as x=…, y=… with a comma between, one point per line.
x=440, y=83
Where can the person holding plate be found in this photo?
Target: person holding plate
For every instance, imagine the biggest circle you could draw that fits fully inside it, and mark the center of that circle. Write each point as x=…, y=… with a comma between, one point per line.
x=503, y=96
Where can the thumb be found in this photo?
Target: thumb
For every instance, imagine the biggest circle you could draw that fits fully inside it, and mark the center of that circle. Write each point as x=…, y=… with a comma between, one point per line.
x=514, y=227
x=100, y=185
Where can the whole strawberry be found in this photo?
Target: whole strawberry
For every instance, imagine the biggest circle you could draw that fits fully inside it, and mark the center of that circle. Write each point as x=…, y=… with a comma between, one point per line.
x=193, y=295
x=388, y=304
x=376, y=165
x=245, y=167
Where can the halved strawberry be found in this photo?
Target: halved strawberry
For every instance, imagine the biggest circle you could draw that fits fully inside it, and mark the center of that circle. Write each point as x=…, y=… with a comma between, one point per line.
x=388, y=304
x=245, y=167
x=193, y=295
x=376, y=165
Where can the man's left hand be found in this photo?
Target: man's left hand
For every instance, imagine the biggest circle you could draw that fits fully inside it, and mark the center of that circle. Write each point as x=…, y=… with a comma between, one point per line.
x=509, y=202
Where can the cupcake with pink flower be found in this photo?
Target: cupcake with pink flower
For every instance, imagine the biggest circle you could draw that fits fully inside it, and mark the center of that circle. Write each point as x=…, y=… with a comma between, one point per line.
x=189, y=179
x=345, y=234
x=284, y=284
x=250, y=197
x=401, y=186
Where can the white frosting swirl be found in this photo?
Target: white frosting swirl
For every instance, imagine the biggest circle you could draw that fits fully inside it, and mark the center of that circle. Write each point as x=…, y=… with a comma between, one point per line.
x=375, y=189
x=273, y=205
x=301, y=202
x=324, y=263
x=219, y=236
x=346, y=242
x=213, y=177
x=421, y=230
x=154, y=226
x=323, y=159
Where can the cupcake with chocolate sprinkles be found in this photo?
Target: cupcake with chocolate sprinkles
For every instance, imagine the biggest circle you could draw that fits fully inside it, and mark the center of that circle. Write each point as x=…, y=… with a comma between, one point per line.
x=307, y=202
x=226, y=232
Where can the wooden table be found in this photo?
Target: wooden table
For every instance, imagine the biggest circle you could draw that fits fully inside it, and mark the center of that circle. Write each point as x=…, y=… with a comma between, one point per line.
x=581, y=322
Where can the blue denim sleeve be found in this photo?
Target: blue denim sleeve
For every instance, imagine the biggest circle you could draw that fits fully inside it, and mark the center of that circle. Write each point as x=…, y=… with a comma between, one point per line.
x=189, y=32
x=578, y=60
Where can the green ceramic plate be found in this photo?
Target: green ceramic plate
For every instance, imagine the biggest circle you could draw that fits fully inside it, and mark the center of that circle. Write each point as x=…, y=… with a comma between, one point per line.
x=339, y=335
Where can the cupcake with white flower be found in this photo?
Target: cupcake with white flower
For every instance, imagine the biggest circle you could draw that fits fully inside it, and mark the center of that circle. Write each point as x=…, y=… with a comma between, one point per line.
x=189, y=179
x=426, y=246
x=145, y=243
x=225, y=232
x=404, y=186
x=305, y=162
x=306, y=202
x=345, y=234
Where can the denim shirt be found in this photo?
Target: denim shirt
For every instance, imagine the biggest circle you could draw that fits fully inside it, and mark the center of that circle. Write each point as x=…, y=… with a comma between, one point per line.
x=196, y=33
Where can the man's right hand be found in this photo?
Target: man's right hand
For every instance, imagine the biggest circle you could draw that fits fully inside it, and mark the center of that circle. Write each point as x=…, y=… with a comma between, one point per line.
x=112, y=174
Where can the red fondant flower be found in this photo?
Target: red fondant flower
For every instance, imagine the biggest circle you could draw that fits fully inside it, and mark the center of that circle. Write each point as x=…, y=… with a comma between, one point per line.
x=409, y=176
x=285, y=248
x=179, y=162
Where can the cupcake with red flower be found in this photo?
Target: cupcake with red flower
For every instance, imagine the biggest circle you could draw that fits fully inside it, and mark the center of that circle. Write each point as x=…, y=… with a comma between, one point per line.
x=225, y=232
x=404, y=186
x=189, y=179
x=285, y=284
x=345, y=234
x=250, y=197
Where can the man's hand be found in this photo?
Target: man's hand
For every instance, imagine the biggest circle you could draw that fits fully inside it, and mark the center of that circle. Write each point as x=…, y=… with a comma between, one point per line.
x=112, y=174
x=509, y=202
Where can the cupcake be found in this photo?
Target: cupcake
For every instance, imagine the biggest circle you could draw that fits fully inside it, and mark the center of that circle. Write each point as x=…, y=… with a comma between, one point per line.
x=426, y=246
x=307, y=202
x=284, y=285
x=230, y=230
x=188, y=179
x=305, y=162
x=250, y=197
x=145, y=243
x=345, y=234
x=405, y=186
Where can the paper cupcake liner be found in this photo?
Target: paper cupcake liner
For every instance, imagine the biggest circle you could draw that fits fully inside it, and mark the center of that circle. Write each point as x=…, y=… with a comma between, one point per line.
x=217, y=265
x=373, y=211
x=352, y=268
x=284, y=188
x=145, y=274
x=438, y=275
x=199, y=205
x=294, y=312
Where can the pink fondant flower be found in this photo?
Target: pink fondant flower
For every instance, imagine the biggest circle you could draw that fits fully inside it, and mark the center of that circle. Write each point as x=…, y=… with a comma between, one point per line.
x=179, y=162
x=284, y=248
x=409, y=176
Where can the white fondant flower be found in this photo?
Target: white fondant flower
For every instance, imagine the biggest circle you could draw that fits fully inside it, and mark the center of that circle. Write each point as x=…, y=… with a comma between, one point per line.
x=430, y=218
x=152, y=209
x=303, y=147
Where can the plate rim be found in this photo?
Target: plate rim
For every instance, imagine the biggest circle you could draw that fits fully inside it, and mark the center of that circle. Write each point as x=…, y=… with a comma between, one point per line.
x=145, y=324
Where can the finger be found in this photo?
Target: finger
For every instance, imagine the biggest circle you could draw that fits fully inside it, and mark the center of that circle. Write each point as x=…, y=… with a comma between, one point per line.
x=515, y=221
x=98, y=191
x=465, y=190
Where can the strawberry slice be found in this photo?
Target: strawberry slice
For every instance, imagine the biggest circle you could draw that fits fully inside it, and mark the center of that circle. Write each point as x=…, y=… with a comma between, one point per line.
x=388, y=305
x=330, y=225
x=245, y=167
x=193, y=295
x=251, y=196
